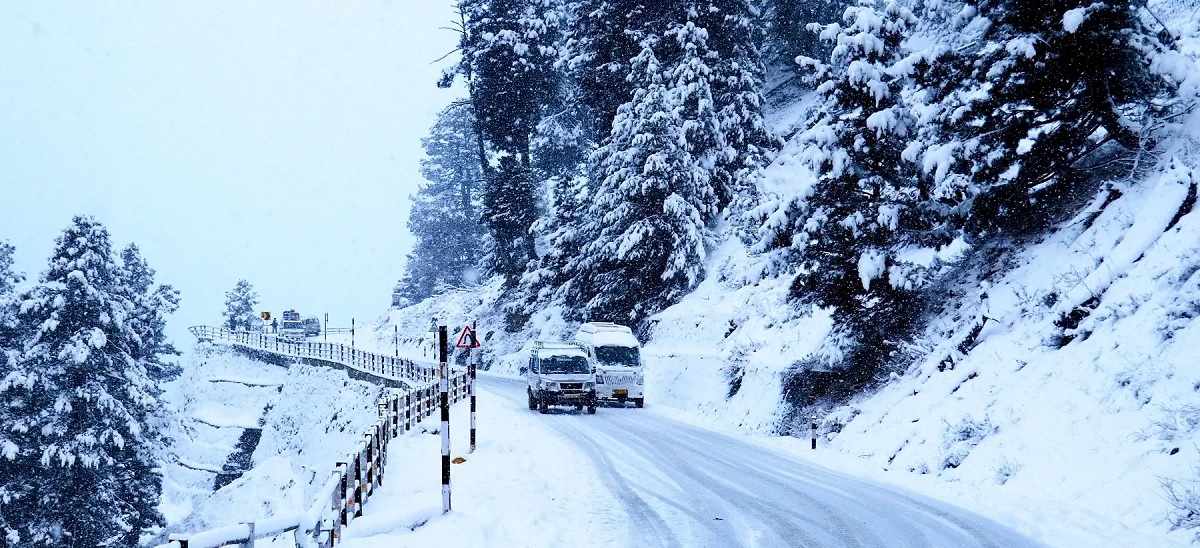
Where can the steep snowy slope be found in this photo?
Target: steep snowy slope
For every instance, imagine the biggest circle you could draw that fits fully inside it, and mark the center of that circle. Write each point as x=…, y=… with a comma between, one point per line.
x=256, y=439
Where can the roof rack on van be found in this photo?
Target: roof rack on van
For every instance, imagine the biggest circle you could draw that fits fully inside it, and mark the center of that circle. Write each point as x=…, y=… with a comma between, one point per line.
x=604, y=326
x=537, y=345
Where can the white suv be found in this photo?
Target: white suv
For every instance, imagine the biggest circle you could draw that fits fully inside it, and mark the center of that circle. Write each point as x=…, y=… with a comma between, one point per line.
x=560, y=373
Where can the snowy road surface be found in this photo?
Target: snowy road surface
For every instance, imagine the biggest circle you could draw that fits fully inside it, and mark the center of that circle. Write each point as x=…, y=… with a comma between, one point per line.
x=633, y=477
x=685, y=486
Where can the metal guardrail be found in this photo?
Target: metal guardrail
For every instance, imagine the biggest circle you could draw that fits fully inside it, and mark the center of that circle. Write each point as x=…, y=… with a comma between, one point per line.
x=340, y=500
x=379, y=365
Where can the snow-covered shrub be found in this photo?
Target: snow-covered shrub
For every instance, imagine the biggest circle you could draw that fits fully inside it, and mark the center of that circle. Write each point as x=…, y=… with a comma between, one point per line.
x=959, y=439
x=1184, y=498
x=1174, y=423
x=1006, y=469
x=836, y=420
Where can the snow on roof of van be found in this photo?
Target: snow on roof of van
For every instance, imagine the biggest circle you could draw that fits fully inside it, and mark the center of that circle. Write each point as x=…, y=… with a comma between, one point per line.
x=558, y=348
x=598, y=327
x=614, y=338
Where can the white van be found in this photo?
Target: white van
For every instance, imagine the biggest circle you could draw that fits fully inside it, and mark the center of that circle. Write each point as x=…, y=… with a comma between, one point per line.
x=616, y=354
x=560, y=373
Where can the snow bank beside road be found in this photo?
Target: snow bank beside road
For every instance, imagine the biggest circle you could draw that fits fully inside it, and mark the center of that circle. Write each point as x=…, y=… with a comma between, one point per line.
x=523, y=486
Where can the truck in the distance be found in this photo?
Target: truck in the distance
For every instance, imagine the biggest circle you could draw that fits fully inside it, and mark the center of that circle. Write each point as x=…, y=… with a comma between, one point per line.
x=617, y=355
x=291, y=327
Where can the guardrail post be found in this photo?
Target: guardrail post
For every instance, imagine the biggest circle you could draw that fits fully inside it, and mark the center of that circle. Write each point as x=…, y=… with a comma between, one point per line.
x=358, y=485
x=408, y=411
x=377, y=466
x=395, y=416
x=814, y=431
x=345, y=490
x=250, y=539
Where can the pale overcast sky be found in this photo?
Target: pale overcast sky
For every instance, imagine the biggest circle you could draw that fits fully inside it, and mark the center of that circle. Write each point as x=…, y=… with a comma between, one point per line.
x=276, y=141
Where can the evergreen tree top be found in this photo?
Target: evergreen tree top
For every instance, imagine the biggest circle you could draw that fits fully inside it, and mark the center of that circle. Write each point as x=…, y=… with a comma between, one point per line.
x=8, y=278
x=138, y=273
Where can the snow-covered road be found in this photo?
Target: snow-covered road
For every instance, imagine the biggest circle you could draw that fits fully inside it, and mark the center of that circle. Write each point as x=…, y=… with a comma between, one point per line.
x=637, y=477
x=681, y=485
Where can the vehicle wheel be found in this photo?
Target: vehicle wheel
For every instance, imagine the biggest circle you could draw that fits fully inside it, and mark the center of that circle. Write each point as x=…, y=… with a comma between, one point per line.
x=578, y=406
x=640, y=402
x=591, y=410
x=532, y=402
x=543, y=407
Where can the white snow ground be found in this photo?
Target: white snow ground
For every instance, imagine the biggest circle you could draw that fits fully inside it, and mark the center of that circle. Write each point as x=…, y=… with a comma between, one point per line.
x=629, y=477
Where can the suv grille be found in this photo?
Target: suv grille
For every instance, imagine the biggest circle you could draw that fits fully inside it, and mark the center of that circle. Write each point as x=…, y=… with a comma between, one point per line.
x=572, y=386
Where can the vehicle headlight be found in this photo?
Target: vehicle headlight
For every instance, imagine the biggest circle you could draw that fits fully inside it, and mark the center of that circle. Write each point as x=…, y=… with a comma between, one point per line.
x=551, y=385
x=589, y=385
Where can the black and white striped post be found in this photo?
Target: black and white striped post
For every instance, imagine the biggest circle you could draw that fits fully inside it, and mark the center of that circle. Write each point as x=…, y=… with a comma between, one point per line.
x=814, y=431
x=472, y=363
x=443, y=358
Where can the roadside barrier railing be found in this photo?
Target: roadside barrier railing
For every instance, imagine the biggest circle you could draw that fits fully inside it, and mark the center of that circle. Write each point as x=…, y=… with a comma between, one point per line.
x=379, y=365
x=353, y=481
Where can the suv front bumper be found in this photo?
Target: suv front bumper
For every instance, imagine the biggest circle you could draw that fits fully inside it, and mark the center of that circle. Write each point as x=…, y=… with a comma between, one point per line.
x=568, y=397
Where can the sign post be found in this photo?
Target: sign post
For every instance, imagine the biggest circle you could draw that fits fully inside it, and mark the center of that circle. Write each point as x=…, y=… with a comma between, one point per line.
x=433, y=332
x=467, y=340
x=327, y=327
x=444, y=368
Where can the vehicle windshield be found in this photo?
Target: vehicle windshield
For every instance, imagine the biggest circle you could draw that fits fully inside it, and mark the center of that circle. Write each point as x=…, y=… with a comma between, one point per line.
x=626, y=356
x=291, y=325
x=563, y=365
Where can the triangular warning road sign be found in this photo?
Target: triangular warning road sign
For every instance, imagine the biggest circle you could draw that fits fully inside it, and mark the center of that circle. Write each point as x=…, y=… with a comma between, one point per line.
x=467, y=339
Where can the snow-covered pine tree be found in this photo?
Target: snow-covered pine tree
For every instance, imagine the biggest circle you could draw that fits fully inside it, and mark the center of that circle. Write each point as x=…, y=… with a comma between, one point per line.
x=153, y=304
x=8, y=277
x=549, y=279
x=736, y=36
x=140, y=483
x=788, y=35
x=239, y=306
x=77, y=404
x=843, y=233
x=562, y=145
x=1045, y=85
x=603, y=38
x=689, y=78
x=445, y=212
x=8, y=355
x=645, y=232
x=508, y=55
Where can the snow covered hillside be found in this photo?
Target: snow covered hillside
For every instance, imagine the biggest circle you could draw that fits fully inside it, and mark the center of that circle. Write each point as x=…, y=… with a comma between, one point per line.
x=255, y=439
x=1056, y=371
